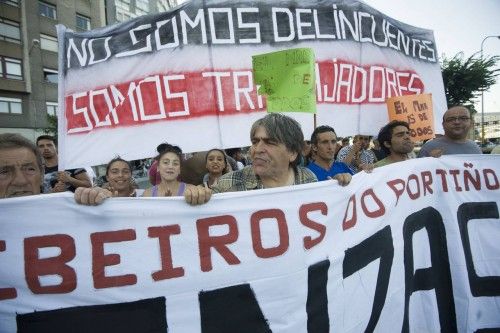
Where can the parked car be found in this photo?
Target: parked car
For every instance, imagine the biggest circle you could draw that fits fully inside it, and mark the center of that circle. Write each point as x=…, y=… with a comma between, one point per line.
x=487, y=147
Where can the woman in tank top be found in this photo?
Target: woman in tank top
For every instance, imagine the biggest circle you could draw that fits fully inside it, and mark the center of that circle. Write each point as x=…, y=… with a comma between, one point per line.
x=169, y=168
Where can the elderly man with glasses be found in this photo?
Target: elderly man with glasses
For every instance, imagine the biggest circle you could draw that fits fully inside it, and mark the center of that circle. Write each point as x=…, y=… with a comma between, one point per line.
x=457, y=124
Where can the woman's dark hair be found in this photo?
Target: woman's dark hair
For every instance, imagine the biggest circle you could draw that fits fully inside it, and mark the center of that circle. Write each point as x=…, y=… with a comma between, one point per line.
x=168, y=148
x=161, y=147
x=117, y=159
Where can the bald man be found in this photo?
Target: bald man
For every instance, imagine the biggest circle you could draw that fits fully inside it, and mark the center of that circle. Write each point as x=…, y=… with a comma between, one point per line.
x=457, y=124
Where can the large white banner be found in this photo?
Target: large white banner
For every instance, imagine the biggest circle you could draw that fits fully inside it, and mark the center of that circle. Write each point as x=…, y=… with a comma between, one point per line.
x=411, y=247
x=185, y=76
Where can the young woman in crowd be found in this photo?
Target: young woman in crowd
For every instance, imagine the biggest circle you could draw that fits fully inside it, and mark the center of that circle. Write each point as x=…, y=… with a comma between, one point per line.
x=169, y=168
x=216, y=164
x=120, y=182
x=153, y=174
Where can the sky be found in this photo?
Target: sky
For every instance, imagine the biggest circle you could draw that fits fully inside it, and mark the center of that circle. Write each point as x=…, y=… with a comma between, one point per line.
x=458, y=25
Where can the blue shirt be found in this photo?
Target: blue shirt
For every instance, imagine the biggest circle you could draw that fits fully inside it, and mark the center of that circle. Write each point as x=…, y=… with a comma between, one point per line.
x=336, y=168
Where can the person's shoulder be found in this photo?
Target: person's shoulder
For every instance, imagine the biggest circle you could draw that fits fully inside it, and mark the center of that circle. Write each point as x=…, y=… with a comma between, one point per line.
x=369, y=156
x=231, y=181
x=312, y=166
x=434, y=141
x=473, y=147
x=305, y=176
x=380, y=163
x=345, y=149
x=343, y=153
x=341, y=166
x=369, y=152
x=238, y=174
x=472, y=143
x=428, y=146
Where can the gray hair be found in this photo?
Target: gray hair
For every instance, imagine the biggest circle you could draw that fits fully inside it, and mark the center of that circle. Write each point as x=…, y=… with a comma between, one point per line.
x=282, y=129
x=13, y=140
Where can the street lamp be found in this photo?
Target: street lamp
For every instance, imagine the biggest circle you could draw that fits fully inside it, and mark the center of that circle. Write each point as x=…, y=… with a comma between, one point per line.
x=482, y=92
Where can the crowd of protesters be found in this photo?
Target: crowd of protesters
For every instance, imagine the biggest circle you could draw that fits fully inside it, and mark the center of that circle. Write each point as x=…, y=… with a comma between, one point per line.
x=278, y=156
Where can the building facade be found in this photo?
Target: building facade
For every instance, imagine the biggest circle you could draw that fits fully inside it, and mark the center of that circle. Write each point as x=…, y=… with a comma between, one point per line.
x=491, y=125
x=28, y=56
x=123, y=10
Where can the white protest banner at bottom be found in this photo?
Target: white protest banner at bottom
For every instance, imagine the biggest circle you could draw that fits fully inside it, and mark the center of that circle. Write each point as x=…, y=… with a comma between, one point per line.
x=412, y=246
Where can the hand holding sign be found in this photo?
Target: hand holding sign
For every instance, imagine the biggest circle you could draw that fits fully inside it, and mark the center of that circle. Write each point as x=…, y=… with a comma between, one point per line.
x=287, y=78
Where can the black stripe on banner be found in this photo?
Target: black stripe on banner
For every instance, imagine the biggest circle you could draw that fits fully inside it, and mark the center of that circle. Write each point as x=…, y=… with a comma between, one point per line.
x=144, y=316
x=379, y=245
x=231, y=309
x=471, y=212
x=317, y=298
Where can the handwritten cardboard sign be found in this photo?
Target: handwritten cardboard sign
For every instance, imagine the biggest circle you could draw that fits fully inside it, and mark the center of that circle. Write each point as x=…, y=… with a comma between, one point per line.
x=417, y=111
x=288, y=79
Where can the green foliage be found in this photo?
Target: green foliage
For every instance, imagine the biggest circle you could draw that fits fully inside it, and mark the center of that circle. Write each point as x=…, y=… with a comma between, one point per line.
x=52, y=126
x=465, y=78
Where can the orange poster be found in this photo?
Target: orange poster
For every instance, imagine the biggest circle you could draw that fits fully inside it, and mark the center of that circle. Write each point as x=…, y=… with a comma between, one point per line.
x=417, y=111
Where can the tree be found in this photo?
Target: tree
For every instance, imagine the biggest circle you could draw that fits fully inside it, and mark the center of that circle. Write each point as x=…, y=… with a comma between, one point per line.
x=465, y=78
x=52, y=125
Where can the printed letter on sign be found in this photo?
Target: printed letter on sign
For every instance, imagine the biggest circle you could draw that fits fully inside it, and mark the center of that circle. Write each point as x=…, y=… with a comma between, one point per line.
x=35, y=267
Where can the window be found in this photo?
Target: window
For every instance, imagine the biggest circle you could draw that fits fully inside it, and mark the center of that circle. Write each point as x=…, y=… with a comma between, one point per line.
x=82, y=22
x=47, y=10
x=122, y=16
x=165, y=5
x=52, y=108
x=141, y=7
x=125, y=9
x=10, y=105
x=123, y=3
x=48, y=43
x=11, y=68
x=50, y=75
x=10, y=31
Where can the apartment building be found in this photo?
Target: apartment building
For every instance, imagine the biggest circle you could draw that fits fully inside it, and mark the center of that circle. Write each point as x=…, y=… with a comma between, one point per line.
x=28, y=57
x=123, y=10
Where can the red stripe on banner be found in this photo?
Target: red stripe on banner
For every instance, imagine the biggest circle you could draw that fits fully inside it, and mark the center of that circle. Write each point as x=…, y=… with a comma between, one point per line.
x=166, y=97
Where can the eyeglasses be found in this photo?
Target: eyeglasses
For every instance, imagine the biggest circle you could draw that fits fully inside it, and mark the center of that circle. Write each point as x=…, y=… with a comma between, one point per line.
x=453, y=119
